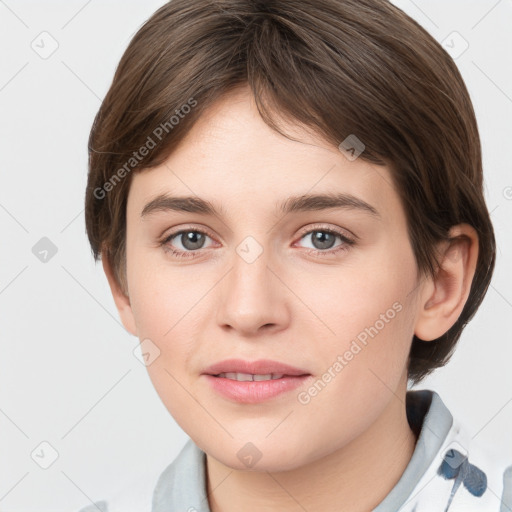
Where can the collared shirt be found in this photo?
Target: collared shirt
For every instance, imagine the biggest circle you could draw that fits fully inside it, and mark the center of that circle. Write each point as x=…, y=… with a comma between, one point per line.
x=448, y=472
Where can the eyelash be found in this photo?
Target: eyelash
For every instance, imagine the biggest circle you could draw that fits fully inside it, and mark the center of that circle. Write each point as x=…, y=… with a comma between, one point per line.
x=347, y=242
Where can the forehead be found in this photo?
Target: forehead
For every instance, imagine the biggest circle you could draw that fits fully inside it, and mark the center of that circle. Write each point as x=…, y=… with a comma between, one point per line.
x=232, y=157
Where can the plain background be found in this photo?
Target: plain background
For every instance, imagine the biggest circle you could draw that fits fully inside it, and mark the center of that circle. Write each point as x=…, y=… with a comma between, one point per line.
x=68, y=374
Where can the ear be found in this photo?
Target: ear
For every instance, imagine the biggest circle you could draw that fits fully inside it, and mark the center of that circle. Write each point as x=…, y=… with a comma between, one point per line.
x=443, y=298
x=121, y=299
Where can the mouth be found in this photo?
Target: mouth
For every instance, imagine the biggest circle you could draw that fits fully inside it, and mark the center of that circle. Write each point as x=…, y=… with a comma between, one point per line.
x=248, y=377
x=254, y=382
x=262, y=369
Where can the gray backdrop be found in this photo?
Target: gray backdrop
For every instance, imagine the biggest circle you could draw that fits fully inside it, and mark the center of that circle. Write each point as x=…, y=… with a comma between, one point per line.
x=68, y=375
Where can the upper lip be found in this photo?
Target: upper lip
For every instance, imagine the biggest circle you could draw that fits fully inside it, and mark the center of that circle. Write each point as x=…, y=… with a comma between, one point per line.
x=259, y=367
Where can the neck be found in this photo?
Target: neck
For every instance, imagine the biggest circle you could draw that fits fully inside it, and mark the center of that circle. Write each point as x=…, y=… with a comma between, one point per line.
x=355, y=478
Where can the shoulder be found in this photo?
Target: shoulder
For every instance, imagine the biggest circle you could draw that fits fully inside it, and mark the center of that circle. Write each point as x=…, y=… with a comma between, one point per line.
x=133, y=496
x=459, y=472
x=497, y=468
x=478, y=475
x=182, y=485
x=180, y=482
x=470, y=473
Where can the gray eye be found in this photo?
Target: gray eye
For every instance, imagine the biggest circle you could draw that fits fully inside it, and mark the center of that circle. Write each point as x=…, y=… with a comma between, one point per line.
x=191, y=240
x=322, y=239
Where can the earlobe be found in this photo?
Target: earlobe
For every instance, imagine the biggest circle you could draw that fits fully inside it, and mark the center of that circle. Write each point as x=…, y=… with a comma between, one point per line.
x=121, y=299
x=443, y=298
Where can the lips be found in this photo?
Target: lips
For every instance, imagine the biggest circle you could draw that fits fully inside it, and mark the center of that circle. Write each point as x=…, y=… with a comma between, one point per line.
x=254, y=382
x=259, y=367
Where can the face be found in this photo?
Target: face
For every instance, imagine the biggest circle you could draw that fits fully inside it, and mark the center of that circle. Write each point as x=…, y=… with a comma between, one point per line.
x=329, y=291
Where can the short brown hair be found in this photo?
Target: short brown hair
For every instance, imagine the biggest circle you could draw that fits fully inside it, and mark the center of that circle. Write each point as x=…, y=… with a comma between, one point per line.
x=342, y=67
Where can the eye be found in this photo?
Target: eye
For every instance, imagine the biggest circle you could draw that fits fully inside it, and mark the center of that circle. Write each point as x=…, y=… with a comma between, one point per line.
x=190, y=240
x=324, y=239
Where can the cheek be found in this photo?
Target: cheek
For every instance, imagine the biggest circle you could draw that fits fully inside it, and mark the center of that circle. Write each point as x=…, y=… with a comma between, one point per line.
x=161, y=297
x=369, y=312
x=164, y=309
x=363, y=362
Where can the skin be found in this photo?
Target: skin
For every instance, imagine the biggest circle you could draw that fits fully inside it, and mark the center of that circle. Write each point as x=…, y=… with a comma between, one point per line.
x=347, y=447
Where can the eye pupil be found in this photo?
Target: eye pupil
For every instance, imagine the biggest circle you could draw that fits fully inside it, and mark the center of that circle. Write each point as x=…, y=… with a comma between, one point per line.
x=324, y=239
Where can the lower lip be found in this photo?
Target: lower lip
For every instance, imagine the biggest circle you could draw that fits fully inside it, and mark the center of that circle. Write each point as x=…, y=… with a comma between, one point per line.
x=252, y=392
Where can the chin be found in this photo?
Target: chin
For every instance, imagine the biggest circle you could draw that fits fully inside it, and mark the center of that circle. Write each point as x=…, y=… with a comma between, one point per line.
x=257, y=456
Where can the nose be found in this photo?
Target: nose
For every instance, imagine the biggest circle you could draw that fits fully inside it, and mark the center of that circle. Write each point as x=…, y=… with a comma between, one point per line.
x=252, y=297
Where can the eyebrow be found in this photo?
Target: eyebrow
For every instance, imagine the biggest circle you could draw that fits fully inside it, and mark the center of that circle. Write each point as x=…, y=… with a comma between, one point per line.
x=303, y=203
